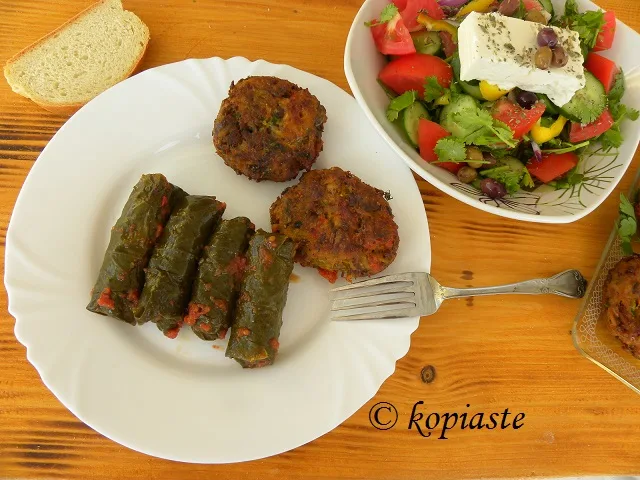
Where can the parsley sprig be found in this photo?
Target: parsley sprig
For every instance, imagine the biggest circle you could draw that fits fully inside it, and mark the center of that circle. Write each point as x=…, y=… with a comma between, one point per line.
x=627, y=224
x=398, y=104
x=612, y=138
x=386, y=16
x=432, y=89
x=588, y=24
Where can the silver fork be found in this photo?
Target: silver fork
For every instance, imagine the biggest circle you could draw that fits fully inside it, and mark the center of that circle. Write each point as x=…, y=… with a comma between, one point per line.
x=419, y=294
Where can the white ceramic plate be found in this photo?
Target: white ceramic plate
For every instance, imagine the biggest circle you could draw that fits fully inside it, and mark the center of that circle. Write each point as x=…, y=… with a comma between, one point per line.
x=362, y=63
x=182, y=399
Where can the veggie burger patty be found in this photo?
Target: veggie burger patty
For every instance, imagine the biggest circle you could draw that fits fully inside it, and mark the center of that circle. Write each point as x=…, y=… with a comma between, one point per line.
x=622, y=301
x=338, y=223
x=269, y=129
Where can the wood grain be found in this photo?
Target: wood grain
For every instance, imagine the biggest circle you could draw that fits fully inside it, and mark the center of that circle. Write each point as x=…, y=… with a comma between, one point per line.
x=491, y=353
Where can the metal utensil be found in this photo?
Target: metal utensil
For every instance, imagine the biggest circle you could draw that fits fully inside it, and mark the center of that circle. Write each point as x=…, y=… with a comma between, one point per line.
x=419, y=294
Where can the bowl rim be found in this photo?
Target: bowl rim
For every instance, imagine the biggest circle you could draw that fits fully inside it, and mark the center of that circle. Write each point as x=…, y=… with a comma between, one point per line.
x=439, y=184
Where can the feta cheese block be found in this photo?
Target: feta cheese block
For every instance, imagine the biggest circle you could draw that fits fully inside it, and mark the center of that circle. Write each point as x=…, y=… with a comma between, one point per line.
x=501, y=50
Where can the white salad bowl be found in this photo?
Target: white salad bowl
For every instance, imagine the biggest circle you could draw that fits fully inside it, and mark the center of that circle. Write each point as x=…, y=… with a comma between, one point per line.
x=602, y=172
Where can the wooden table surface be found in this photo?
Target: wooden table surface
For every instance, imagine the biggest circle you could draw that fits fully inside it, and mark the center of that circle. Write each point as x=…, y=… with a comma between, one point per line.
x=491, y=353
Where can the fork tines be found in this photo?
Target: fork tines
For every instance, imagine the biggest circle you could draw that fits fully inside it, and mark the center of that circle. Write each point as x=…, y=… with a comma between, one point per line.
x=391, y=296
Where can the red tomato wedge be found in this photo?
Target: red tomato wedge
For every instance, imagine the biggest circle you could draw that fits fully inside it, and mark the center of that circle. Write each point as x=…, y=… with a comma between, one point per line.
x=579, y=133
x=428, y=135
x=532, y=5
x=393, y=38
x=448, y=45
x=409, y=73
x=518, y=119
x=603, y=69
x=414, y=7
x=607, y=33
x=401, y=4
x=552, y=165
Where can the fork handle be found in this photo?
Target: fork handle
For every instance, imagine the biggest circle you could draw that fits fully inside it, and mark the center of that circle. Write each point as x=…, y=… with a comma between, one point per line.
x=569, y=283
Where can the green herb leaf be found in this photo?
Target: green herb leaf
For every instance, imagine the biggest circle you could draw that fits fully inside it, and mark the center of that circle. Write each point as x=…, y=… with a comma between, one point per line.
x=588, y=24
x=627, y=224
x=527, y=181
x=451, y=149
x=386, y=16
x=565, y=147
x=432, y=89
x=400, y=103
x=571, y=179
x=626, y=207
x=486, y=131
x=612, y=138
x=506, y=175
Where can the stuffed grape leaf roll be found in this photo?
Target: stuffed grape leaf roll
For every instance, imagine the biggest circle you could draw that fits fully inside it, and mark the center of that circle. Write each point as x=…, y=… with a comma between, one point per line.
x=133, y=237
x=173, y=264
x=253, y=341
x=220, y=272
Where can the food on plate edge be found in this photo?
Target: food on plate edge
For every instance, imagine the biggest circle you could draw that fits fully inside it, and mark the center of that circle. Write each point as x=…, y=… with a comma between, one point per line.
x=220, y=272
x=340, y=225
x=269, y=129
x=173, y=264
x=510, y=99
x=133, y=237
x=253, y=340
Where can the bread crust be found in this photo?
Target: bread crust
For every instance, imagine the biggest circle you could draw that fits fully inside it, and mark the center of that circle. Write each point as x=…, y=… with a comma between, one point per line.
x=71, y=108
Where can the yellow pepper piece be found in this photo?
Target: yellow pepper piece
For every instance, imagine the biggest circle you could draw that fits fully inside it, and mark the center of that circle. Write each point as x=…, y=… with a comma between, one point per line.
x=480, y=6
x=444, y=99
x=437, y=25
x=541, y=134
x=491, y=92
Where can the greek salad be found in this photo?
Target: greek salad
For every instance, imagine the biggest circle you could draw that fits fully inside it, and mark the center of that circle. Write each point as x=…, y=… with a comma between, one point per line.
x=502, y=93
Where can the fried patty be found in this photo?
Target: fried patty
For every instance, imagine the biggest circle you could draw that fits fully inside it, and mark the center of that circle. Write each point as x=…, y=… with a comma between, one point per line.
x=269, y=129
x=622, y=301
x=339, y=224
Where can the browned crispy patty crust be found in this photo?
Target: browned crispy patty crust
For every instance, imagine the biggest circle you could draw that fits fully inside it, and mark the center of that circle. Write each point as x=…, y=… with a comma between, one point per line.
x=339, y=224
x=622, y=301
x=269, y=129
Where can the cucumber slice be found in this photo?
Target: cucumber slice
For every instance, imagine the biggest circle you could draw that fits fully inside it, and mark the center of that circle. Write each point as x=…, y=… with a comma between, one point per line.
x=513, y=163
x=552, y=108
x=427, y=42
x=470, y=88
x=547, y=5
x=587, y=104
x=462, y=104
x=411, y=118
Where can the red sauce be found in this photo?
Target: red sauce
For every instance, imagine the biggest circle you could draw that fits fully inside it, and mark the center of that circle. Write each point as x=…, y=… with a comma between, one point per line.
x=266, y=257
x=237, y=267
x=243, y=332
x=217, y=347
x=173, y=333
x=165, y=201
x=196, y=310
x=105, y=299
x=222, y=333
x=159, y=229
x=133, y=296
x=221, y=305
x=205, y=327
x=274, y=344
x=293, y=278
x=328, y=274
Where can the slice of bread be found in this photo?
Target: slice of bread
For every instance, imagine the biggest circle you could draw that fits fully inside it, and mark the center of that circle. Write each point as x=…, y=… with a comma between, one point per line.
x=93, y=51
